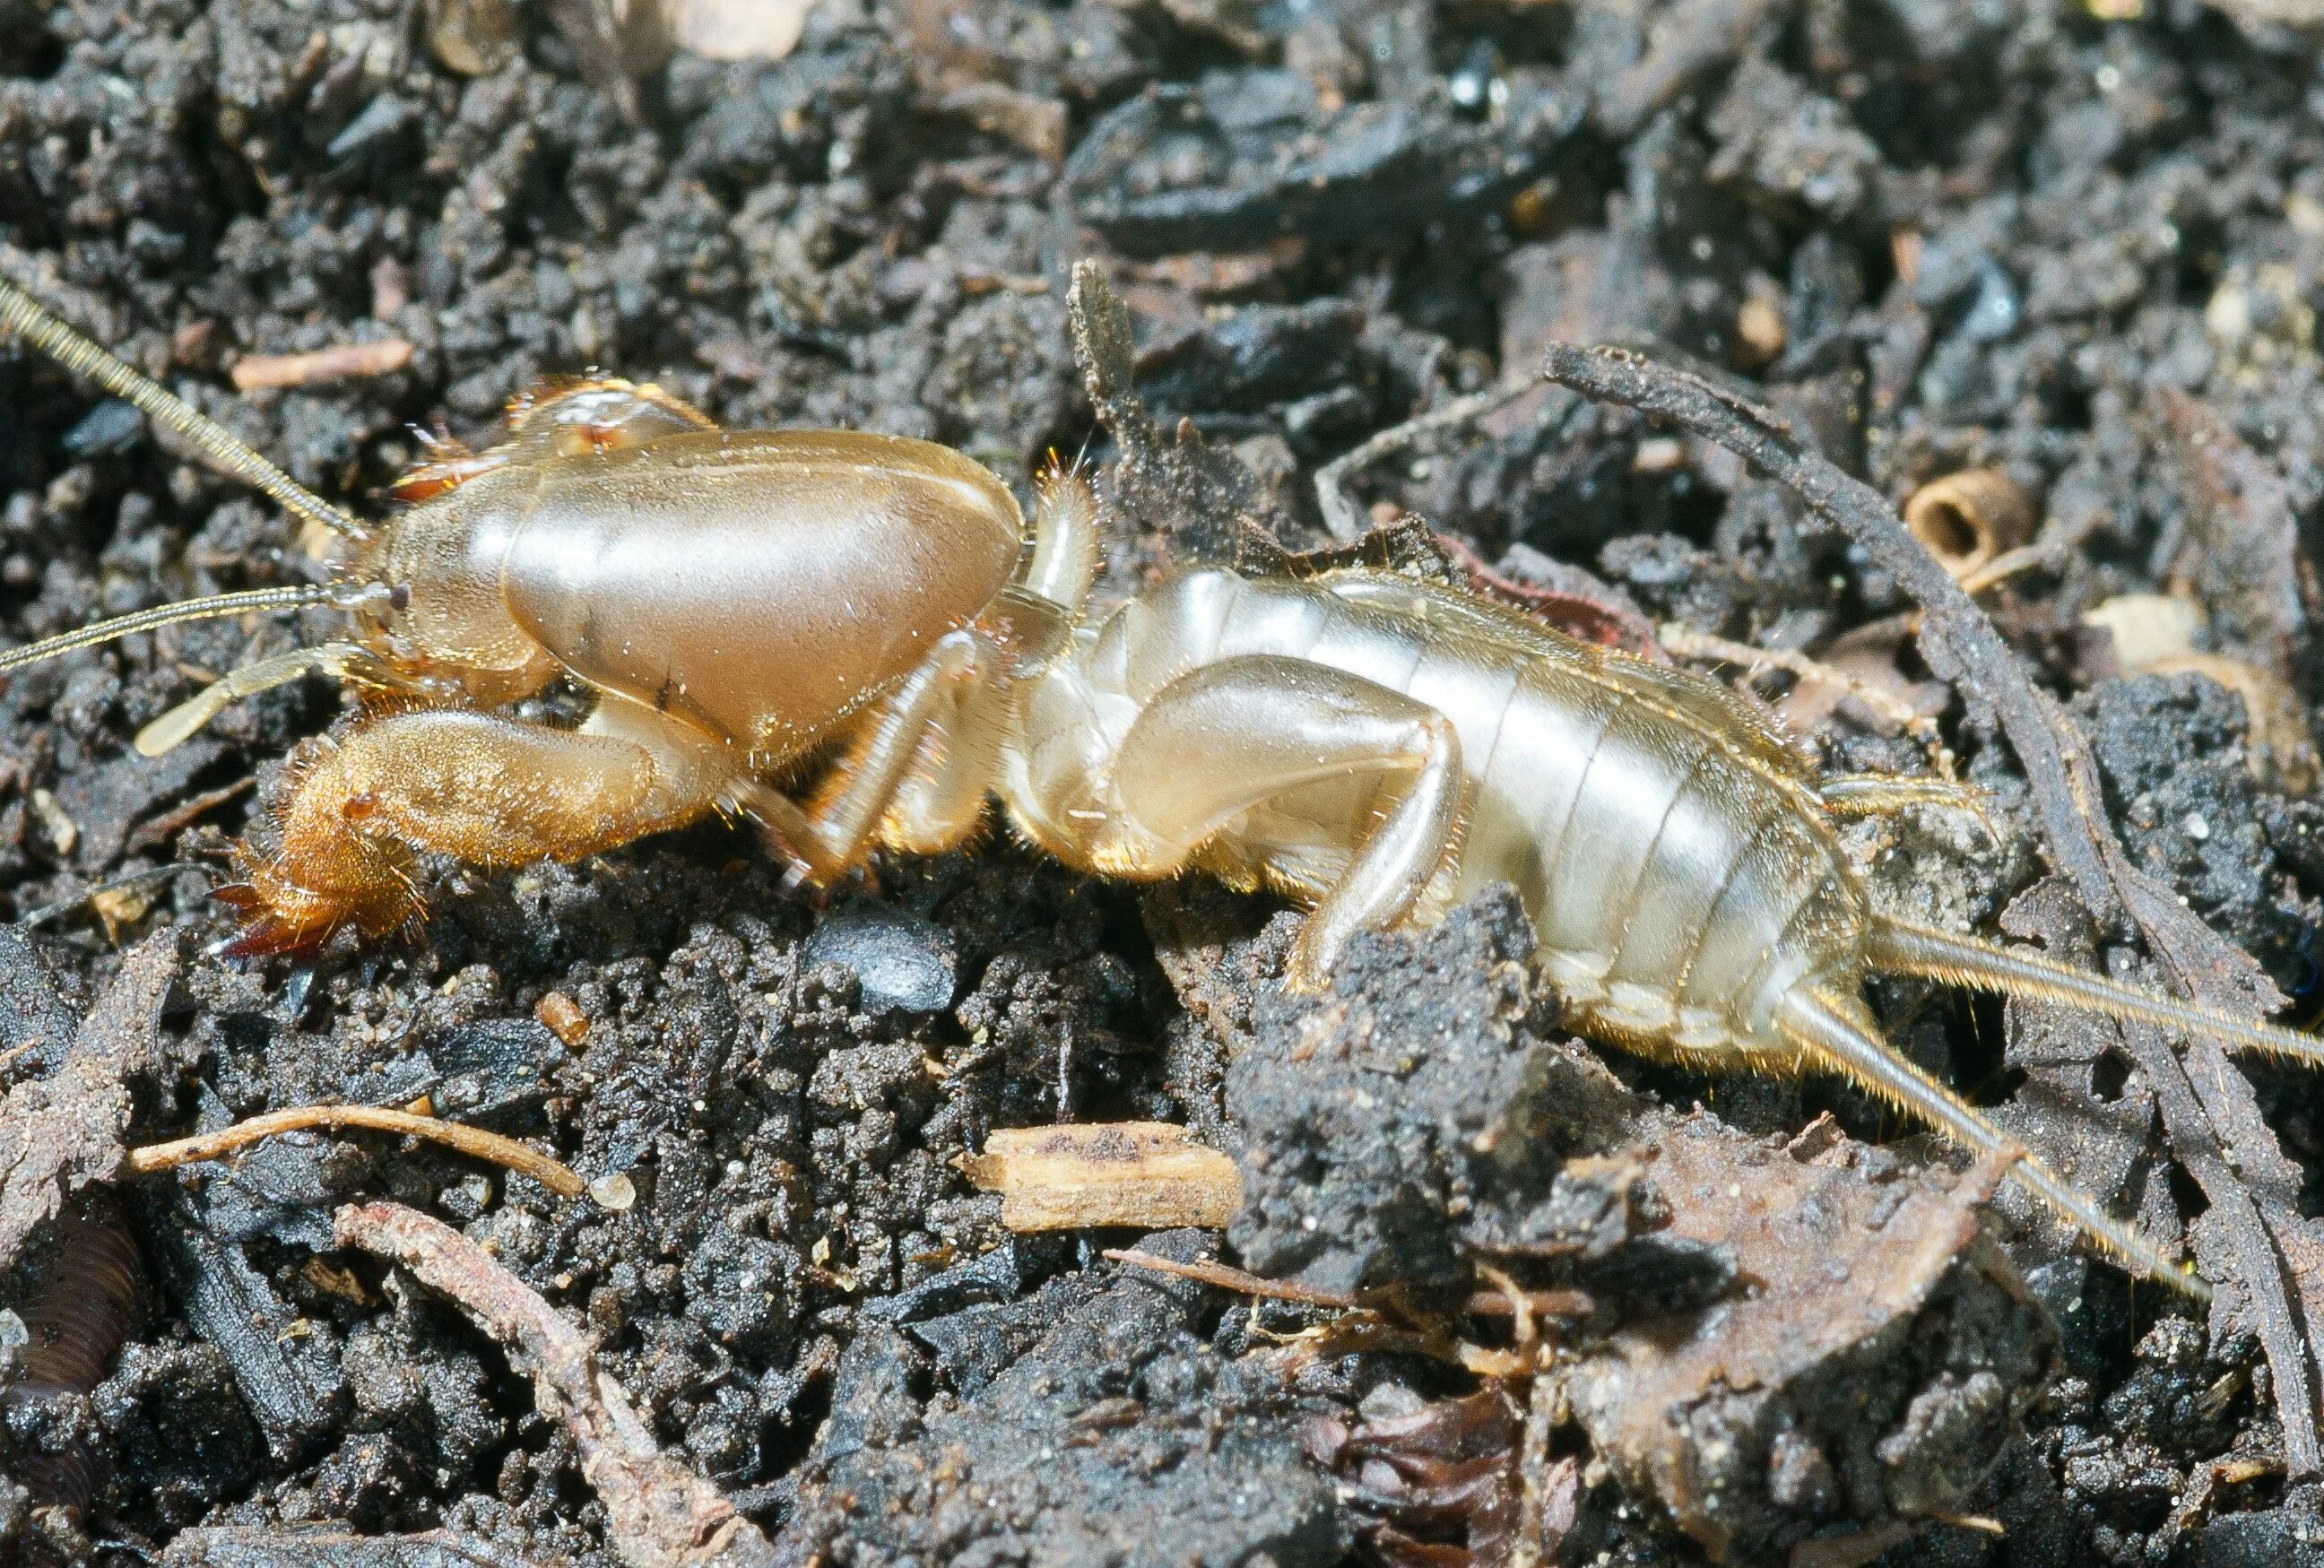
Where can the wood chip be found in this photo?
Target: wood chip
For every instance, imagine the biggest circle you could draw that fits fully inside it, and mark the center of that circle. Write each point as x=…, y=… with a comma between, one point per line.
x=1147, y=1175
x=340, y=362
x=561, y=1016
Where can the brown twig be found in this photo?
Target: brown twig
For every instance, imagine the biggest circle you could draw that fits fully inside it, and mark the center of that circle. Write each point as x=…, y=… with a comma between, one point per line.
x=337, y=363
x=157, y=831
x=555, y=1177
x=2208, y=1114
x=658, y=1513
x=1227, y=1277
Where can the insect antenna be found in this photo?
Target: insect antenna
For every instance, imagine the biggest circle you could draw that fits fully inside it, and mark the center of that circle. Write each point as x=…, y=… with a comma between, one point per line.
x=1903, y=949
x=1837, y=1033
x=216, y=606
x=231, y=454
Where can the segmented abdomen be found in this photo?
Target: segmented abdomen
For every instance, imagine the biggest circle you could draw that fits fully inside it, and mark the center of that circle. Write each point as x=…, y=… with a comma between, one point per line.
x=1678, y=889
x=1676, y=866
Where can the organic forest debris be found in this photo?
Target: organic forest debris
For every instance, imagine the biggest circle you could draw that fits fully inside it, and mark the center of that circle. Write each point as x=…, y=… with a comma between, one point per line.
x=1235, y=1279
x=60, y=1133
x=1145, y=1173
x=2270, y=1258
x=475, y=1142
x=658, y=1513
x=1847, y=1273
x=253, y=371
x=2242, y=550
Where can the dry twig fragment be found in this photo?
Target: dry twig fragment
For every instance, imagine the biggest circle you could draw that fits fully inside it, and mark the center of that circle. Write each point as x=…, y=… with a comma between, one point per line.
x=1226, y=1277
x=340, y=362
x=658, y=1513
x=1149, y=1174
x=555, y=1177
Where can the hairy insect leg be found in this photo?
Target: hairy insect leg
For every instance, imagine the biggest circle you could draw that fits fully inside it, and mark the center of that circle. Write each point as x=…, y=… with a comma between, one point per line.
x=1065, y=539
x=182, y=722
x=1901, y=949
x=1837, y=1033
x=339, y=850
x=1879, y=795
x=1226, y=738
x=1876, y=794
x=916, y=774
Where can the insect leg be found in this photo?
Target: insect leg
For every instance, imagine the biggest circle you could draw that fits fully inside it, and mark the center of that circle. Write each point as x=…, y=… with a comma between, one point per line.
x=921, y=766
x=339, y=850
x=1230, y=736
x=182, y=722
x=556, y=419
x=1837, y=1033
x=1065, y=539
x=1903, y=949
x=1872, y=794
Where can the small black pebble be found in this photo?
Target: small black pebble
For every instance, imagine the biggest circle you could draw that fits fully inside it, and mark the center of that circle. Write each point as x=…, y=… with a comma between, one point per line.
x=901, y=961
x=113, y=426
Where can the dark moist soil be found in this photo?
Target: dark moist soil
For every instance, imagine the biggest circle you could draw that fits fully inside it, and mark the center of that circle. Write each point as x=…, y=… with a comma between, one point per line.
x=1939, y=235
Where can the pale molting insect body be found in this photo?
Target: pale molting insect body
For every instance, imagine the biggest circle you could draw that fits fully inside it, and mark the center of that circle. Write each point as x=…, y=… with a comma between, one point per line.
x=748, y=605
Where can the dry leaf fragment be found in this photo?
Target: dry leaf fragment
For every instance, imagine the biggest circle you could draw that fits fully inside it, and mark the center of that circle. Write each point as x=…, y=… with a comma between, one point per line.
x=737, y=29
x=2147, y=628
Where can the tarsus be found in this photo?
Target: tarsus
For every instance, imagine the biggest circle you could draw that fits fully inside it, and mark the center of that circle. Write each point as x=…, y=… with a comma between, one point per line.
x=233, y=456
x=1905, y=949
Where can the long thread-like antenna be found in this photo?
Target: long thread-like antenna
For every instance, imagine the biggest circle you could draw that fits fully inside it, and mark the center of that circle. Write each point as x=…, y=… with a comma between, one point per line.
x=209, y=609
x=232, y=454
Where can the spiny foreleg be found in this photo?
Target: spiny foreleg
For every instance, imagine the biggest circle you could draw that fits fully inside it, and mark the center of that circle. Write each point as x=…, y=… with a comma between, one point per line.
x=339, y=850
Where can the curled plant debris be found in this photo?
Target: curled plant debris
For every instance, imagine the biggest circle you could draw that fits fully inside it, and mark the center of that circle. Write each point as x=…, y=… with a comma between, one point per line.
x=1438, y=1484
x=1968, y=518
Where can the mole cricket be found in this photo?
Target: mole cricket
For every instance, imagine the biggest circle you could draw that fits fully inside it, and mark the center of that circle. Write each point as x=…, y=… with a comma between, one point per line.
x=745, y=604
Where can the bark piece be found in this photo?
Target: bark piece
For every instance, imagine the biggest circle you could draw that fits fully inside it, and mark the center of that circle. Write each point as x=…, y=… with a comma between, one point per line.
x=61, y=1132
x=1149, y=1174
